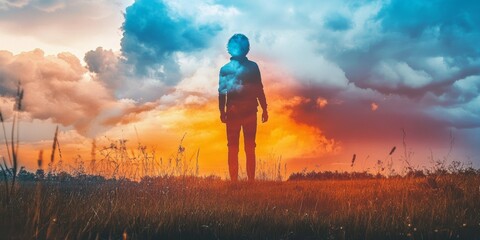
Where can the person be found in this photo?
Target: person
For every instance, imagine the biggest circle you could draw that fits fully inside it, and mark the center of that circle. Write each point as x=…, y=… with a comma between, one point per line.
x=239, y=93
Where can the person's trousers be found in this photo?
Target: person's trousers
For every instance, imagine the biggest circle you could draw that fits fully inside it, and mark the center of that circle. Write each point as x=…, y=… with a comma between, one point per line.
x=247, y=123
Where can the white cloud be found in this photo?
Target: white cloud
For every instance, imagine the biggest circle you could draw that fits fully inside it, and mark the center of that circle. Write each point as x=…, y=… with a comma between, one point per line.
x=392, y=74
x=56, y=26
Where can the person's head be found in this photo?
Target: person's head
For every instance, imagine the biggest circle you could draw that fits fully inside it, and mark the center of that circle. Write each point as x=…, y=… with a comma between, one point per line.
x=238, y=45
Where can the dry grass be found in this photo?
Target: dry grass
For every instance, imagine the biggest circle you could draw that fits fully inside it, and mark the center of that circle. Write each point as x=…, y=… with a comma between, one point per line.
x=199, y=208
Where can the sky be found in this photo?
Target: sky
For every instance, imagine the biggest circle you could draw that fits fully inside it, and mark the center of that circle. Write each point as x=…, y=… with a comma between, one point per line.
x=341, y=78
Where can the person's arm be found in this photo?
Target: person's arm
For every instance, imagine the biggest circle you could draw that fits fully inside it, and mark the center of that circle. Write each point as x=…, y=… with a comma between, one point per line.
x=261, y=97
x=222, y=98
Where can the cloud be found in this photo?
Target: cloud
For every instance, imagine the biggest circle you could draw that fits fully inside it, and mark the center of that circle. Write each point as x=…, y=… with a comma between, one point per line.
x=111, y=69
x=130, y=114
x=13, y=4
x=56, y=87
x=105, y=64
x=50, y=5
x=337, y=22
x=43, y=5
x=448, y=19
x=411, y=55
x=399, y=75
x=423, y=68
x=152, y=34
x=60, y=25
x=357, y=118
x=322, y=102
x=155, y=37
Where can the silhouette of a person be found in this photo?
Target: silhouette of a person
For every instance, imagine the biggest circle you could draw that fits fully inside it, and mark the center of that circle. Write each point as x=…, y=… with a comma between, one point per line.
x=240, y=90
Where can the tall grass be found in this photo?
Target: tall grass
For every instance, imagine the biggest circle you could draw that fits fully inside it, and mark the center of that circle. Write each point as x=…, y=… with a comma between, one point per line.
x=12, y=149
x=202, y=208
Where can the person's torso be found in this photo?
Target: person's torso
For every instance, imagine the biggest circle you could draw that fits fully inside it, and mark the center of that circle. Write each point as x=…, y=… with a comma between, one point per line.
x=240, y=80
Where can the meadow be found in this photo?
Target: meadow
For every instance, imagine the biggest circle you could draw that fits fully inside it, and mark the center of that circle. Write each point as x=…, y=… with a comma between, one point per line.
x=440, y=207
x=167, y=199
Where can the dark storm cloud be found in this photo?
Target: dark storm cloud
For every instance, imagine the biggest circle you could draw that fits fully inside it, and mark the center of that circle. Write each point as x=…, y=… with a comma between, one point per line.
x=152, y=34
x=411, y=36
x=349, y=117
x=418, y=62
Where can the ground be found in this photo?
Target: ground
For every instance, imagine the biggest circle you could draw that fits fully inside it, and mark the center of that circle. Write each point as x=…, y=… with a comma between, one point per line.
x=443, y=207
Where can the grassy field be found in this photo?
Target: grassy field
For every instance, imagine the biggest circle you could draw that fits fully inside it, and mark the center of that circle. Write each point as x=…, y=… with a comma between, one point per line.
x=446, y=207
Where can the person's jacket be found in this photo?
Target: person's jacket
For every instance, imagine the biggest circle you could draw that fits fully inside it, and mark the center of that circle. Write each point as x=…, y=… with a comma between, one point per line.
x=240, y=87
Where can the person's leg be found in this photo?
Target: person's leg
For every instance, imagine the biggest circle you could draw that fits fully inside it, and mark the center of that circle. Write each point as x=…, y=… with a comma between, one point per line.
x=249, y=132
x=233, y=135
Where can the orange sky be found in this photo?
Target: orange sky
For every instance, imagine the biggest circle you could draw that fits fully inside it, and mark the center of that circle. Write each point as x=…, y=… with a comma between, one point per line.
x=162, y=129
